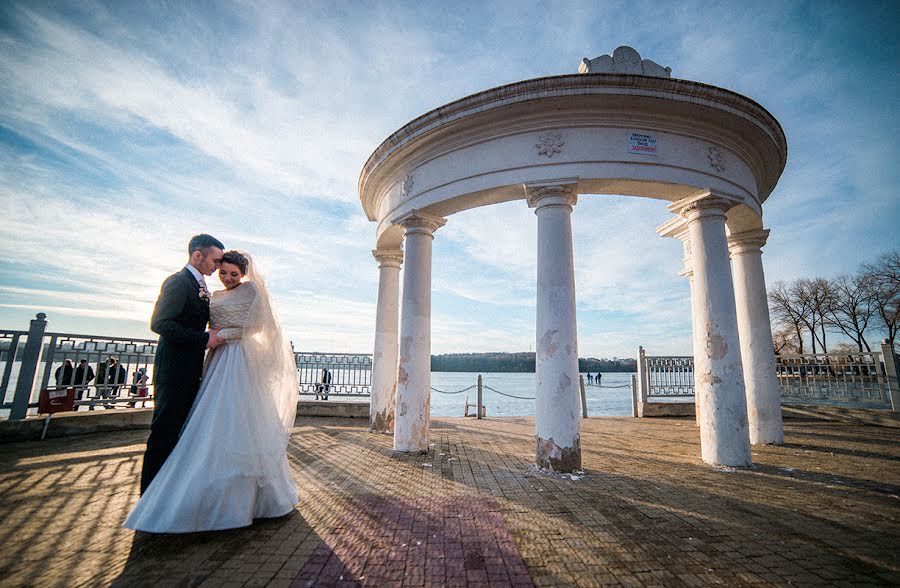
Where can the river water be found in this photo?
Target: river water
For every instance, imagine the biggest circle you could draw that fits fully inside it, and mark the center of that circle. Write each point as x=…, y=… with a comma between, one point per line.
x=612, y=398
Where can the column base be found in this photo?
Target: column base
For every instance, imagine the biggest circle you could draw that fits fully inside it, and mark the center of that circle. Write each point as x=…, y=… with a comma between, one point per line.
x=550, y=456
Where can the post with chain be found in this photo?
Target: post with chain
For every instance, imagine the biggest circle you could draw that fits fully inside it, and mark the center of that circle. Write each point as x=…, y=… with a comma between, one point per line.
x=478, y=411
x=31, y=357
x=890, y=372
x=583, y=397
x=634, y=395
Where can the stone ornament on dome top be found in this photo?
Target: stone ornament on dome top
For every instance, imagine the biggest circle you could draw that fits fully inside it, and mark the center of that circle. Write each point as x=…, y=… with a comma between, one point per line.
x=416, y=221
x=549, y=144
x=388, y=257
x=554, y=193
x=624, y=60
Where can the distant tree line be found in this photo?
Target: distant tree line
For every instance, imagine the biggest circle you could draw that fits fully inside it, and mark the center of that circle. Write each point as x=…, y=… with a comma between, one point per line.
x=864, y=308
x=518, y=362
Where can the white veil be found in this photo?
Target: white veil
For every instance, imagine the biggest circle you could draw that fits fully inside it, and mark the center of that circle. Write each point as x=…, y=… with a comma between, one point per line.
x=271, y=369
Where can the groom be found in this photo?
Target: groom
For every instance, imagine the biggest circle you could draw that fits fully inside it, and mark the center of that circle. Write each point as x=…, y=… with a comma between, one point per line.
x=180, y=318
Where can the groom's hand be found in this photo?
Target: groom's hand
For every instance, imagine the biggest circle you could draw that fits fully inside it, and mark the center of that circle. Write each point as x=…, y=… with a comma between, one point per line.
x=214, y=340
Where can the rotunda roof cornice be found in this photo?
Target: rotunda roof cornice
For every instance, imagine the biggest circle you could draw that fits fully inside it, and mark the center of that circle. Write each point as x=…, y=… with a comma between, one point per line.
x=569, y=85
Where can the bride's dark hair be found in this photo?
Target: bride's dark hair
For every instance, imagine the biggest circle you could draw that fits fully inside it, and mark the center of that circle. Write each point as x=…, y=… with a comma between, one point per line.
x=237, y=258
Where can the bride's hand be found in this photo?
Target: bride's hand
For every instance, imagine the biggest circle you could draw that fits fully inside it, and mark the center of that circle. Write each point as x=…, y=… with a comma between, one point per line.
x=214, y=340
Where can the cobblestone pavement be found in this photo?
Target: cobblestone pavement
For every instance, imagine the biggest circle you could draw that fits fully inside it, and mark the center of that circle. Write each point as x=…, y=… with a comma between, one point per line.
x=823, y=509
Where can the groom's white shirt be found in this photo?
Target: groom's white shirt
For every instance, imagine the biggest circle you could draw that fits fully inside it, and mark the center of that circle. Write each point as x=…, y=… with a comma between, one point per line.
x=197, y=275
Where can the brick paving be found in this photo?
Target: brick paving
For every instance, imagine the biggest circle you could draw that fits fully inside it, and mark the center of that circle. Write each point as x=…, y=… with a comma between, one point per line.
x=823, y=509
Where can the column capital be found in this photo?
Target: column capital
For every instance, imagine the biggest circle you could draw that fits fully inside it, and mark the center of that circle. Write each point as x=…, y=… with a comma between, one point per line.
x=418, y=222
x=559, y=192
x=388, y=257
x=747, y=242
x=704, y=204
x=677, y=228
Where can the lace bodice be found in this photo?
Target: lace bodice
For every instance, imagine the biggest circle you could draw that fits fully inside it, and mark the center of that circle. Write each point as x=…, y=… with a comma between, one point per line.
x=230, y=309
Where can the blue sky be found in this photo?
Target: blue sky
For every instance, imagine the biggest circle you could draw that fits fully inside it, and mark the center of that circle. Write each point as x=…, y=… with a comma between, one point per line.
x=126, y=127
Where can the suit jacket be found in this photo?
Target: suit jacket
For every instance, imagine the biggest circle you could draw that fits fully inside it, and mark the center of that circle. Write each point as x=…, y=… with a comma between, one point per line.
x=180, y=318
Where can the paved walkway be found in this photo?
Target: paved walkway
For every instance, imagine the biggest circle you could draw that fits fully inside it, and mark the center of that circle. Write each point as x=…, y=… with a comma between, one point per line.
x=821, y=510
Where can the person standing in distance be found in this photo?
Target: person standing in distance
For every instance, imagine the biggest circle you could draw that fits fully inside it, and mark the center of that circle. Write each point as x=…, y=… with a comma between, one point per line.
x=180, y=318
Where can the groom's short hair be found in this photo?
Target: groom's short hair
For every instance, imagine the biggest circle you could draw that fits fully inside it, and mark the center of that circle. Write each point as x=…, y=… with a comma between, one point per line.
x=202, y=242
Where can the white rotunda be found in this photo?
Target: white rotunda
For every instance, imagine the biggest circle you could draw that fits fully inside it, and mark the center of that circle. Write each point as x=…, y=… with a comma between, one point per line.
x=621, y=126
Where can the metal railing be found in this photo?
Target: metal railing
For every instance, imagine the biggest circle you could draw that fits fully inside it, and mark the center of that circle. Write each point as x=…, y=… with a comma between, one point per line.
x=9, y=350
x=118, y=371
x=105, y=370
x=851, y=379
x=834, y=378
x=334, y=374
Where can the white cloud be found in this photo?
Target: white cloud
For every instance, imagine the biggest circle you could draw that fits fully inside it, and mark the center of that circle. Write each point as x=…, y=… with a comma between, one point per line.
x=124, y=129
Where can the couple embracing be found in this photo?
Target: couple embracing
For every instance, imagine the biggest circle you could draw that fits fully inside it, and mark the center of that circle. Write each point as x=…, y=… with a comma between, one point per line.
x=216, y=456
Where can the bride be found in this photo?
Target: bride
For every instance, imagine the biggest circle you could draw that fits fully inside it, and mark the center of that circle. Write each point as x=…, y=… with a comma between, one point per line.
x=230, y=464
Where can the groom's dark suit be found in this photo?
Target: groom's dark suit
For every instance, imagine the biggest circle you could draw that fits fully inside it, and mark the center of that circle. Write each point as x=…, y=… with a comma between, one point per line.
x=180, y=319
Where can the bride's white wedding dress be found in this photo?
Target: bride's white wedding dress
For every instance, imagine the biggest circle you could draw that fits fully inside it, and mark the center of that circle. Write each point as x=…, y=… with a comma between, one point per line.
x=230, y=464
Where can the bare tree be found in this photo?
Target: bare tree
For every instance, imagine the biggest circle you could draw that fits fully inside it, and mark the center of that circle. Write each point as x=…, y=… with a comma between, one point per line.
x=882, y=279
x=787, y=311
x=811, y=296
x=785, y=341
x=849, y=308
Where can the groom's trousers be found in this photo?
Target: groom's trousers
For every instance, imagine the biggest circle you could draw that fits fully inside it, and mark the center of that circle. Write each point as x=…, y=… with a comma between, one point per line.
x=172, y=404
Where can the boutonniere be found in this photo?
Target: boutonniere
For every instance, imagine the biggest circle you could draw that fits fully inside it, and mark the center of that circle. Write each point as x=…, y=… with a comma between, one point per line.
x=204, y=294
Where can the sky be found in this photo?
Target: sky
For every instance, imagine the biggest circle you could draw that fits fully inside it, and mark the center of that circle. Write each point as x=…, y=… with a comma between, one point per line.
x=127, y=127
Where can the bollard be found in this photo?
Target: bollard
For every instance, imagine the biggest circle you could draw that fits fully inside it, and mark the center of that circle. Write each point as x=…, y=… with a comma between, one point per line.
x=31, y=357
x=478, y=407
x=583, y=397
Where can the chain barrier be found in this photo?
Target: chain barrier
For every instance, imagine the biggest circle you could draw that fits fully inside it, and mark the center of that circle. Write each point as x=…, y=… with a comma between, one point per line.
x=455, y=392
x=509, y=395
x=486, y=387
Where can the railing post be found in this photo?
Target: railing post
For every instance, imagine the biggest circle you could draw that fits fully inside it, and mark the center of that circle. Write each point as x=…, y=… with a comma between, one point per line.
x=478, y=408
x=31, y=356
x=634, y=395
x=583, y=397
x=48, y=363
x=642, y=376
x=890, y=372
x=7, y=369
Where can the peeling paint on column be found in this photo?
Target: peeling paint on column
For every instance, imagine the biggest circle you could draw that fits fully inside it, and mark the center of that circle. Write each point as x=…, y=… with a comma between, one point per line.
x=419, y=435
x=383, y=422
x=552, y=457
x=546, y=346
x=716, y=347
x=710, y=378
x=402, y=376
x=565, y=382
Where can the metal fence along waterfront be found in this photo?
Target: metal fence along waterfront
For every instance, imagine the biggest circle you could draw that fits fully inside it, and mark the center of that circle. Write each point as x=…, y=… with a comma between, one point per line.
x=118, y=371
x=334, y=374
x=32, y=361
x=851, y=379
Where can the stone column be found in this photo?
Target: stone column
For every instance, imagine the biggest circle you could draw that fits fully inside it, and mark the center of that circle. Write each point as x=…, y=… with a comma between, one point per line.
x=557, y=426
x=384, y=360
x=718, y=374
x=411, y=405
x=755, y=330
x=688, y=272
